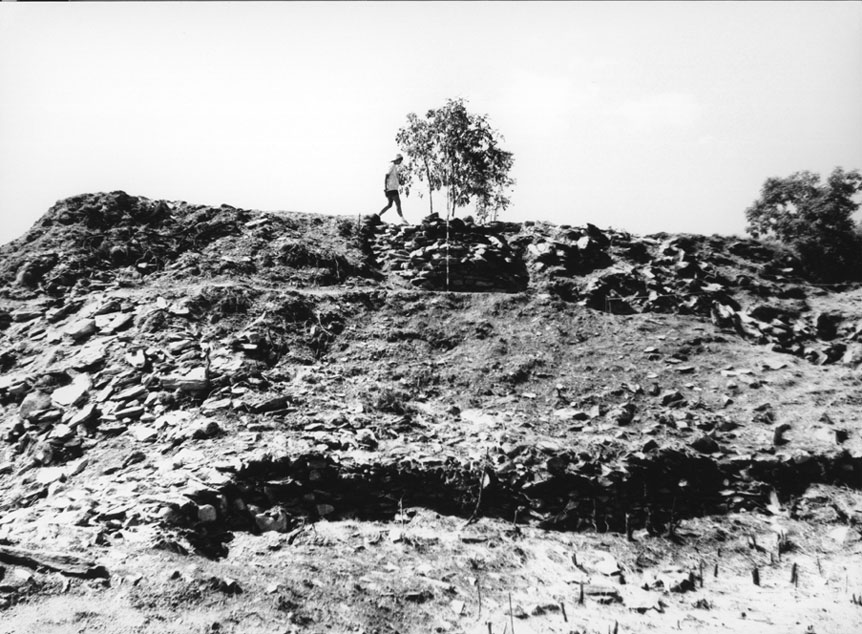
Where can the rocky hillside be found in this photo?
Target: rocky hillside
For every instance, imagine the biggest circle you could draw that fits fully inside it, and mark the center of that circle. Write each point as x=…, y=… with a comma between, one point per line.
x=435, y=427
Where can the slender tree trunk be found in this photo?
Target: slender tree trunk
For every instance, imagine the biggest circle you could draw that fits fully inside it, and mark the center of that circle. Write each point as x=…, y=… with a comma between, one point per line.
x=452, y=180
x=430, y=188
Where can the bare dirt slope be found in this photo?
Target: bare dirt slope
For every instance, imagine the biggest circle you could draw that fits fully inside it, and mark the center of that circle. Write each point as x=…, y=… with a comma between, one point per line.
x=219, y=420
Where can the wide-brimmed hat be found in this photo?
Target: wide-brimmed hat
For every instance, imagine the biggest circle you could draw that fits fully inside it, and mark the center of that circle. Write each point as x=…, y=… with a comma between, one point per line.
x=398, y=157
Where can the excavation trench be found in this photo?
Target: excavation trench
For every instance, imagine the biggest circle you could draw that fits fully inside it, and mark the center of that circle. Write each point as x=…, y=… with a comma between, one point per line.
x=648, y=491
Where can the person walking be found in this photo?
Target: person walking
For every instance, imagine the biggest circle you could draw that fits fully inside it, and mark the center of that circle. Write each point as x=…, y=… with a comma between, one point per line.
x=391, y=185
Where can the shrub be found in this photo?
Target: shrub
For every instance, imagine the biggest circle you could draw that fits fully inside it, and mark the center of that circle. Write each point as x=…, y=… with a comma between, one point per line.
x=814, y=220
x=388, y=400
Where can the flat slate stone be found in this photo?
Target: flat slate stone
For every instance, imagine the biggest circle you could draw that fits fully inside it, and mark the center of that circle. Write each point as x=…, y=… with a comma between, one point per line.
x=25, y=315
x=81, y=329
x=74, y=392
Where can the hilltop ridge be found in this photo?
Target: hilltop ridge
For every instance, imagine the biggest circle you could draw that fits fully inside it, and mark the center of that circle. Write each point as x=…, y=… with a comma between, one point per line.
x=94, y=241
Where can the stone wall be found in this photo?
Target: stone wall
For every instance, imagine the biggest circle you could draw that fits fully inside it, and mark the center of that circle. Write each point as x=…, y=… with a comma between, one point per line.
x=467, y=257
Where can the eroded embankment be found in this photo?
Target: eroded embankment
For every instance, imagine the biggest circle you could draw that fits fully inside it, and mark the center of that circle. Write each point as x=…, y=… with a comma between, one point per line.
x=651, y=492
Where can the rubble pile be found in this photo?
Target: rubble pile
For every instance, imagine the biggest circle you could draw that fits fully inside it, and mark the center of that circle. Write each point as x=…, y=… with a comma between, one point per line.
x=681, y=275
x=131, y=342
x=671, y=281
x=98, y=241
x=461, y=257
x=822, y=338
x=92, y=367
x=630, y=274
x=616, y=272
x=564, y=252
x=634, y=274
x=174, y=375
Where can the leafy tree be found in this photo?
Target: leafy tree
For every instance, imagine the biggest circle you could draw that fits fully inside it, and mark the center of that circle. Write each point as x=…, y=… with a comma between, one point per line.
x=419, y=142
x=815, y=219
x=457, y=150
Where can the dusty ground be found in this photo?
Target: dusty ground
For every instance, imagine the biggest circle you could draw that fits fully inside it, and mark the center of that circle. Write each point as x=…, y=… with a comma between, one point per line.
x=429, y=574
x=429, y=461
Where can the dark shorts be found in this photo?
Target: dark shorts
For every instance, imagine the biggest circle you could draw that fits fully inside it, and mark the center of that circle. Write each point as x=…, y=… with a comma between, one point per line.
x=392, y=194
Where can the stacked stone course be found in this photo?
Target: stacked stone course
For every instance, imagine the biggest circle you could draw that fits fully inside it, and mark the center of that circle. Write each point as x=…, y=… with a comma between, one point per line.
x=464, y=257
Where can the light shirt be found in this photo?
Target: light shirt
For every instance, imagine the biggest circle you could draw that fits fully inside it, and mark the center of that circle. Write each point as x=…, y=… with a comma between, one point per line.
x=392, y=182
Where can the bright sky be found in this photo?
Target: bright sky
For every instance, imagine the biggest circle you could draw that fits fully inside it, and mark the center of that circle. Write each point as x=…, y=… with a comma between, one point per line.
x=639, y=116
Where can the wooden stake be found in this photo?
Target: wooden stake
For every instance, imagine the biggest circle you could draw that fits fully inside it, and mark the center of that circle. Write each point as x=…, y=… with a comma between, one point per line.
x=755, y=576
x=581, y=597
x=563, y=608
x=488, y=623
x=629, y=527
x=794, y=575
x=701, y=573
x=511, y=614
x=715, y=571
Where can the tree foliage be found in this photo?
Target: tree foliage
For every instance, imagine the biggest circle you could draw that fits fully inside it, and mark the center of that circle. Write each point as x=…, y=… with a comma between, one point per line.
x=815, y=219
x=453, y=149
